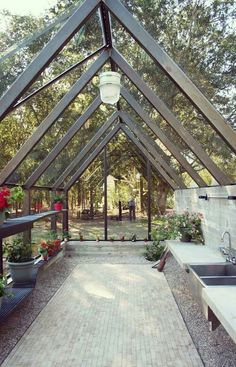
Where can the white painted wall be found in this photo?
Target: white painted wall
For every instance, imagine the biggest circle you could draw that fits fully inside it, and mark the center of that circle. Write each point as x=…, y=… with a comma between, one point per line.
x=219, y=214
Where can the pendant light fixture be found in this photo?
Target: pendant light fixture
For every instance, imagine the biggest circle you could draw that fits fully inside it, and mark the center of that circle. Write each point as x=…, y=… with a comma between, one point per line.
x=110, y=87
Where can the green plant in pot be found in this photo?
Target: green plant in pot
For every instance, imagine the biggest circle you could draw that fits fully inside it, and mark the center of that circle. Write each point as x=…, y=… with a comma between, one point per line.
x=58, y=200
x=17, y=197
x=188, y=225
x=3, y=290
x=20, y=260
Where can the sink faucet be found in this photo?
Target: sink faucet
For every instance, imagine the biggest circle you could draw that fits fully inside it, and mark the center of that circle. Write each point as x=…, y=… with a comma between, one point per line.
x=230, y=257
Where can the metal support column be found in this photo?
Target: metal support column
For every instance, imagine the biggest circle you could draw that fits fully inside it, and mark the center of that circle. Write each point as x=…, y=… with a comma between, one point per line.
x=65, y=221
x=1, y=257
x=149, y=173
x=26, y=211
x=53, y=217
x=105, y=193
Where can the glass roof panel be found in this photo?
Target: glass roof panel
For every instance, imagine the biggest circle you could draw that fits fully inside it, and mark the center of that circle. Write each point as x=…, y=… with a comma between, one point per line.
x=200, y=38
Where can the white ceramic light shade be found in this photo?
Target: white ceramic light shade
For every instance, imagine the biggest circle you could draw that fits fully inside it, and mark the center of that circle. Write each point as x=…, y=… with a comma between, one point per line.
x=110, y=87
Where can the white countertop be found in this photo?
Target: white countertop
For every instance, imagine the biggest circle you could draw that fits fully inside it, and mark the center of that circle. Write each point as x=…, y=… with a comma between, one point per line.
x=190, y=253
x=222, y=301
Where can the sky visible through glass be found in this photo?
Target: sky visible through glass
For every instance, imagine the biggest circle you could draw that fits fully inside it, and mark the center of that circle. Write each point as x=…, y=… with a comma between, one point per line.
x=26, y=7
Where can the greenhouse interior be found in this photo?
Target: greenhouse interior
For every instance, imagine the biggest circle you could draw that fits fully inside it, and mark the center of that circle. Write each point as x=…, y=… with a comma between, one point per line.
x=118, y=143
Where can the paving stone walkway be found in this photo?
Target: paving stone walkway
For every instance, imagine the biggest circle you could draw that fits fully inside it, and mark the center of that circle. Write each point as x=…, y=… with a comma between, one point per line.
x=108, y=315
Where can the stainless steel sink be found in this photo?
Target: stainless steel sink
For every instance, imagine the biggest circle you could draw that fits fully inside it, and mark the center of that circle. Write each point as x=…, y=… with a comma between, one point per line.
x=225, y=280
x=220, y=269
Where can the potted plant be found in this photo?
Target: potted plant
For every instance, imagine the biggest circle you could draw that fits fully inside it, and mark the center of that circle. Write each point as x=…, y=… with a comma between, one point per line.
x=3, y=291
x=58, y=201
x=43, y=250
x=20, y=260
x=66, y=235
x=17, y=197
x=5, y=202
x=188, y=225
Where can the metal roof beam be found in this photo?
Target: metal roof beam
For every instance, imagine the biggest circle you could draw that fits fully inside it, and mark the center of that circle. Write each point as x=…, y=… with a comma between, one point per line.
x=164, y=111
x=57, y=111
x=44, y=58
x=162, y=137
x=173, y=71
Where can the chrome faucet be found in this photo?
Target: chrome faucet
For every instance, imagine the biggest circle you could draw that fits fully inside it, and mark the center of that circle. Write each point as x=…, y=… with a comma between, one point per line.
x=229, y=252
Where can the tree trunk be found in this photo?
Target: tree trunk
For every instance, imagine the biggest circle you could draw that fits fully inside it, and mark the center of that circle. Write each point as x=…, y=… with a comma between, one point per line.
x=162, y=192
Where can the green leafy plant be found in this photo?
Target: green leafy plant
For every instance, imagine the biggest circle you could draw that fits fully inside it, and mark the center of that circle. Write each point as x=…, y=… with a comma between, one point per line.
x=17, y=251
x=190, y=223
x=3, y=290
x=66, y=234
x=17, y=195
x=156, y=249
x=170, y=226
x=58, y=198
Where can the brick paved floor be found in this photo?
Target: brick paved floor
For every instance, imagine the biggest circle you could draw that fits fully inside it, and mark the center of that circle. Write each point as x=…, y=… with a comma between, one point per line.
x=108, y=315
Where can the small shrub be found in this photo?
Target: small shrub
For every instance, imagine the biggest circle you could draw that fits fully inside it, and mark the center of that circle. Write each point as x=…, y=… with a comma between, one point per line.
x=154, y=251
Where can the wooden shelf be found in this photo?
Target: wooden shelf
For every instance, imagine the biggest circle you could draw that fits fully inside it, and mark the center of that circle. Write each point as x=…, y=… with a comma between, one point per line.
x=21, y=224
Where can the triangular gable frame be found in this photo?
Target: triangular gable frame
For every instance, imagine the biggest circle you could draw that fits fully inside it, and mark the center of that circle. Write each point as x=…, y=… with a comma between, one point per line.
x=79, y=18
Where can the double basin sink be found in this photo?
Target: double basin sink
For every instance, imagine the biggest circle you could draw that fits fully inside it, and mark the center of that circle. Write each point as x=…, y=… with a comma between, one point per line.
x=214, y=274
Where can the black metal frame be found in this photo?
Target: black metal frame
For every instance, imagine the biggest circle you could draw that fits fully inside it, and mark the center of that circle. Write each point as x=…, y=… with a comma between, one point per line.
x=148, y=149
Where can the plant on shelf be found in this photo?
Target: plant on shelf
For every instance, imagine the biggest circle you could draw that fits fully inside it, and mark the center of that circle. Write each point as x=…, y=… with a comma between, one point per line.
x=58, y=200
x=51, y=246
x=43, y=250
x=5, y=203
x=4, y=292
x=19, y=260
x=188, y=226
x=17, y=251
x=17, y=197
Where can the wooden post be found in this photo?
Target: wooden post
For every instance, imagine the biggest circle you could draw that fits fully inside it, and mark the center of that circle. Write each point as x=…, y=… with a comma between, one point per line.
x=1, y=257
x=120, y=211
x=53, y=217
x=26, y=211
x=91, y=203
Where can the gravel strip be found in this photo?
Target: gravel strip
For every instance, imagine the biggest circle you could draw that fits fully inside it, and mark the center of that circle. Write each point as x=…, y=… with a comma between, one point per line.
x=216, y=348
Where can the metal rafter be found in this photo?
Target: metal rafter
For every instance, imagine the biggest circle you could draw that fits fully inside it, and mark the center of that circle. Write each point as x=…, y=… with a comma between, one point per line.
x=164, y=111
x=43, y=59
x=63, y=142
x=173, y=71
x=92, y=156
x=53, y=116
x=77, y=160
x=145, y=140
x=107, y=35
x=67, y=71
x=155, y=164
x=162, y=137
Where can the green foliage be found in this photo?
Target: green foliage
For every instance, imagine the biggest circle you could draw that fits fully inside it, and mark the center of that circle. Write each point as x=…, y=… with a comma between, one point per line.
x=198, y=35
x=58, y=198
x=17, y=194
x=3, y=290
x=154, y=251
x=189, y=222
x=17, y=251
x=169, y=227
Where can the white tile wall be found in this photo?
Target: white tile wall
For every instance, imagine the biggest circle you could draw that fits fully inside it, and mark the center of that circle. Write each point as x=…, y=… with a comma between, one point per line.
x=219, y=214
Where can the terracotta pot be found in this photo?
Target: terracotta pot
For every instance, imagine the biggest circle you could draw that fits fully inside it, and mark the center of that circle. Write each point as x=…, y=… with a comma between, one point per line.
x=58, y=206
